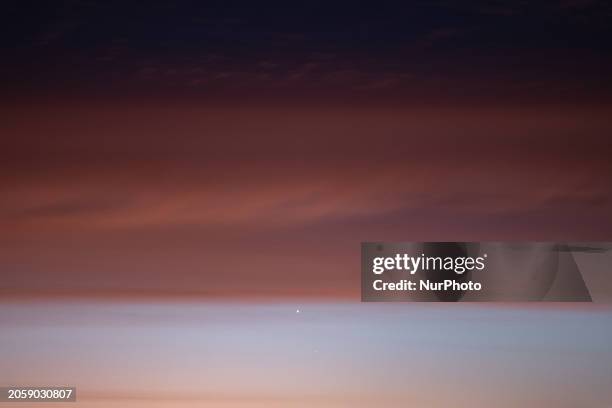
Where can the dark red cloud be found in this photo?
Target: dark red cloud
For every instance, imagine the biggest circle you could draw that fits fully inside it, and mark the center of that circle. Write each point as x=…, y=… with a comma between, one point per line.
x=274, y=201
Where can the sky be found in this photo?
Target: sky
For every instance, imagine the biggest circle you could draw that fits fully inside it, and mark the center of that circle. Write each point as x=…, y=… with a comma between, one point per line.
x=156, y=354
x=435, y=52
x=217, y=150
x=184, y=187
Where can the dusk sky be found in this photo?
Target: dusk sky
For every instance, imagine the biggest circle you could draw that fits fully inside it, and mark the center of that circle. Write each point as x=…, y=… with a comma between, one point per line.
x=434, y=52
x=329, y=355
x=185, y=187
x=216, y=150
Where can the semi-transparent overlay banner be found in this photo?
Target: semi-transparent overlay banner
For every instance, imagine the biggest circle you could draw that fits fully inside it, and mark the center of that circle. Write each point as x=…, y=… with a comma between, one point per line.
x=486, y=271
